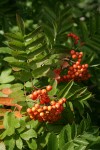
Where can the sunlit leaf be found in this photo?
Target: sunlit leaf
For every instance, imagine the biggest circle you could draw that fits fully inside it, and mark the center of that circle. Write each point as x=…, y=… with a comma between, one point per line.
x=5, y=76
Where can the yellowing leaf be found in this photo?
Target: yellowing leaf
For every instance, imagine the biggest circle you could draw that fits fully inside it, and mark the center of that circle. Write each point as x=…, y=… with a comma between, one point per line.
x=8, y=102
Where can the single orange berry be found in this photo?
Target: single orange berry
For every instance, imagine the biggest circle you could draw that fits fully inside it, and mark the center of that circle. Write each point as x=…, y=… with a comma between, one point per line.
x=42, y=114
x=74, y=56
x=49, y=108
x=29, y=110
x=37, y=106
x=43, y=91
x=49, y=88
x=64, y=100
x=52, y=102
x=30, y=96
x=33, y=109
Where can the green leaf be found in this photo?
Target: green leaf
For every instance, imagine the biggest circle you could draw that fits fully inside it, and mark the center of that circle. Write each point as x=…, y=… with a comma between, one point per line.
x=73, y=130
x=10, y=143
x=10, y=121
x=85, y=97
x=77, y=93
x=84, y=30
x=36, y=51
x=79, y=106
x=32, y=34
x=43, y=139
x=65, y=90
x=35, y=43
x=56, y=128
x=13, y=36
x=32, y=144
x=71, y=106
x=54, y=88
x=16, y=45
x=68, y=146
x=62, y=138
x=23, y=75
x=5, y=50
x=5, y=121
x=3, y=135
x=52, y=142
x=19, y=143
x=33, y=124
x=81, y=127
x=10, y=59
x=18, y=96
x=10, y=131
x=68, y=132
x=2, y=86
x=89, y=137
x=21, y=65
x=80, y=147
x=20, y=23
x=17, y=86
x=40, y=72
x=28, y=134
x=5, y=76
x=81, y=141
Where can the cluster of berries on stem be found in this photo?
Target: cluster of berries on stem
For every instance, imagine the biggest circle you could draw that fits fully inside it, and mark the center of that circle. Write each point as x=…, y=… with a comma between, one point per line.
x=45, y=110
x=75, y=69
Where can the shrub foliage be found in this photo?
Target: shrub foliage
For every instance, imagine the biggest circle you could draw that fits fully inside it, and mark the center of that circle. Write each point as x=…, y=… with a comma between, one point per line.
x=51, y=45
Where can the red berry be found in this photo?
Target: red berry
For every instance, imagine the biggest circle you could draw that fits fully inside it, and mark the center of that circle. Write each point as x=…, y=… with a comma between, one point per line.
x=34, y=95
x=72, y=52
x=74, y=56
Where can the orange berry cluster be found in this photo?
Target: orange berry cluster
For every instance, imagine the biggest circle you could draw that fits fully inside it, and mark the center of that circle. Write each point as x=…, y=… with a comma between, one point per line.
x=74, y=36
x=49, y=113
x=76, y=71
x=45, y=110
x=41, y=94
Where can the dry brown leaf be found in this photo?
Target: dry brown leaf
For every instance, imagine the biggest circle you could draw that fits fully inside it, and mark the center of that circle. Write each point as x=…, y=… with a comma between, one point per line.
x=6, y=91
x=9, y=102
